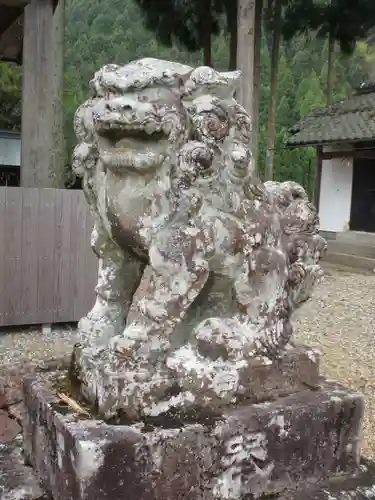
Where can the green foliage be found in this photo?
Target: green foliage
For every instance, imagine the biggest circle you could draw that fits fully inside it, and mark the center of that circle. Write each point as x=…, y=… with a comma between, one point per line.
x=309, y=95
x=183, y=20
x=10, y=97
x=114, y=31
x=346, y=20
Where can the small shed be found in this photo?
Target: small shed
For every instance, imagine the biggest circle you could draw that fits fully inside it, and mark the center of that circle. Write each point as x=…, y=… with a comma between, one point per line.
x=344, y=137
x=10, y=158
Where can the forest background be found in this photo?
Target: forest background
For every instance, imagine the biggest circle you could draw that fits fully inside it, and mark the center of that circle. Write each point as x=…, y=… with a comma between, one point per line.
x=114, y=31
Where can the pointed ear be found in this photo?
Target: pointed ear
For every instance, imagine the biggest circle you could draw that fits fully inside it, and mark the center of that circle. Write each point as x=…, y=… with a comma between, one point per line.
x=232, y=78
x=206, y=80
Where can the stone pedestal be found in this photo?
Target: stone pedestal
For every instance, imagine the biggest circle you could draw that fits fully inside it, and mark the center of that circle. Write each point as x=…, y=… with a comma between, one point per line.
x=17, y=482
x=286, y=447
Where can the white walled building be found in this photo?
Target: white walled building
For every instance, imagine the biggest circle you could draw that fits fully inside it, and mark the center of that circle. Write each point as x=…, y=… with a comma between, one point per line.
x=10, y=158
x=344, y=137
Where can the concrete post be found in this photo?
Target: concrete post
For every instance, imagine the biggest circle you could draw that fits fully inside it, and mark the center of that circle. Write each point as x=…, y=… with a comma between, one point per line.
x=42, y=131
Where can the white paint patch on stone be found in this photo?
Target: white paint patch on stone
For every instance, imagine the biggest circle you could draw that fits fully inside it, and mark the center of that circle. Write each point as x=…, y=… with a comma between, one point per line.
x=369, y=492
x=264, y=360
x=228, y=486
x=89, y=458
x=311, y=355
x=19, y=493
x=329, y=496
x=163, y=406
x=256, y=445
x=60, y=449
x=279, y=421
x=335, y=399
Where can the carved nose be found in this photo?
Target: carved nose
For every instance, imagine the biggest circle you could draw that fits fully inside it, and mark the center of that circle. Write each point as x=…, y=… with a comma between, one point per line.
x=118, y=107
x=126, y=107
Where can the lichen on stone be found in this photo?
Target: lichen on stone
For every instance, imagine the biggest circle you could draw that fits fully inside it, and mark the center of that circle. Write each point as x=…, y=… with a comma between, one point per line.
x=201, y=265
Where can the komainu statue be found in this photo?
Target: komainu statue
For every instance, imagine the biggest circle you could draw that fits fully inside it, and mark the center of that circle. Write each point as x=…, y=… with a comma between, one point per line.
x=200, y=264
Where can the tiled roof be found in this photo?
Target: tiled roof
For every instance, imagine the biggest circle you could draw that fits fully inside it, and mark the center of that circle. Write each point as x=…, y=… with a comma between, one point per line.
x=349, y=120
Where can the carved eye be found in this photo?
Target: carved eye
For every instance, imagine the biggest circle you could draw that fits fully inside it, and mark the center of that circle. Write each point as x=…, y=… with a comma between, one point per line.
x=216, y=126
x=241, y=157
x=205, y=169
x=203, y=157
x=213, y=125
x=243, y=126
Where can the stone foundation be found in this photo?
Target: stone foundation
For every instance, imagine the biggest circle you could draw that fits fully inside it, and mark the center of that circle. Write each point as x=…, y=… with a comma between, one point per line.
x=17, y=480
x=294, y=442
x=259, y=379
x=358, y=486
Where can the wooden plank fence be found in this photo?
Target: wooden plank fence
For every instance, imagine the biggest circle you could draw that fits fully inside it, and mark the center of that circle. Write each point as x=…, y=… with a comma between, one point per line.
x=47, y=268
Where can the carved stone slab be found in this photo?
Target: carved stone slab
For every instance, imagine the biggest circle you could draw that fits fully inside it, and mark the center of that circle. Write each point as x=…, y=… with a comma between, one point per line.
x=293, y=442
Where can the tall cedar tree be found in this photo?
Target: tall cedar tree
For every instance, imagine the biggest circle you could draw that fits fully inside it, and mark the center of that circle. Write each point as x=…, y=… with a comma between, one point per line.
x=190, y=22
x=342, y=21
x=337, y=20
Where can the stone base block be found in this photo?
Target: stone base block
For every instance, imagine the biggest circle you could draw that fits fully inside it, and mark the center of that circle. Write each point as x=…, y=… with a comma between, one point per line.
x=258, y=380
x=359, y=486
x=263, y=448
x=17, y=482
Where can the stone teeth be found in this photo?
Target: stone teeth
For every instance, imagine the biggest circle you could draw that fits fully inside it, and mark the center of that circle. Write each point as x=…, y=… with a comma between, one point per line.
x=149, y=128
x=166, y=127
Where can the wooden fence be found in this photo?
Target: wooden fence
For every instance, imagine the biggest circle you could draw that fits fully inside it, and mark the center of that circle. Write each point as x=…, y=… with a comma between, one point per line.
x=47, y=268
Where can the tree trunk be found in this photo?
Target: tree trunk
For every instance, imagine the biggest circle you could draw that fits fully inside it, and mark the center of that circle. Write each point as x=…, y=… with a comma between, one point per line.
x=245, y=53
x=42, y=141
x=207, y=36
x=330, y=68
x=257, y=70
x=309, y=189
x=58, y=171
x=275, y=56
x=231, y=11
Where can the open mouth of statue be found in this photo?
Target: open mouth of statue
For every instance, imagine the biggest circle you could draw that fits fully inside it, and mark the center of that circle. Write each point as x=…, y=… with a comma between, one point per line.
x=131, y=146
x=116, y=133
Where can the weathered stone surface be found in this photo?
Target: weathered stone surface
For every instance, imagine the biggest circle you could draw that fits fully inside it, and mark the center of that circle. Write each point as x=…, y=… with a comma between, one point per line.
x=358, y=486
x=17, y=481
x=3, y=399
x=9, y=428
x=12, y=374
x=296, y=369
x=201, y=267
x=222, y=259
x=251, y=449
x=17, y=411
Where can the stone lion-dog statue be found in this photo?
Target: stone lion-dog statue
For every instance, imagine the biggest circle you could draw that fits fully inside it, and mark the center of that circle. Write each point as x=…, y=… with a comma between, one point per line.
x=200, y=264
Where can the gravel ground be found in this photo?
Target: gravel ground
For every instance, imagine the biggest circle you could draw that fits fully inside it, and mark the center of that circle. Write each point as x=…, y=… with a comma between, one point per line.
x=338, y=319
x=17, y=344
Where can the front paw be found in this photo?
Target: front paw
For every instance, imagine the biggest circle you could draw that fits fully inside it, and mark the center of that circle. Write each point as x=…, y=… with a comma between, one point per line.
x=141, y=341
x=102, y=323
